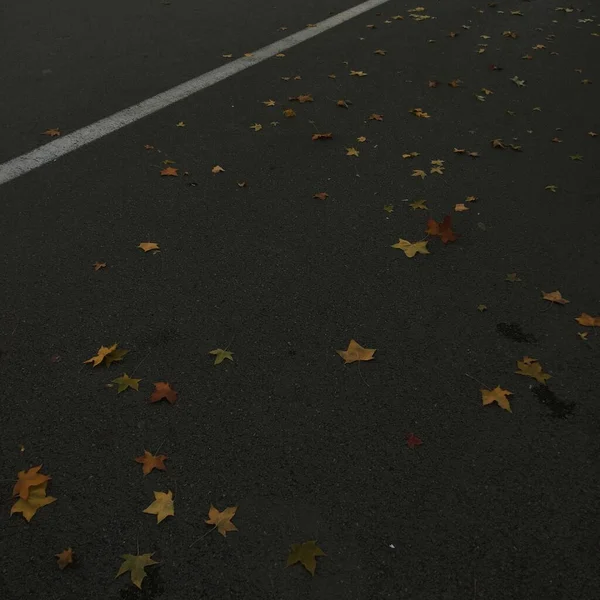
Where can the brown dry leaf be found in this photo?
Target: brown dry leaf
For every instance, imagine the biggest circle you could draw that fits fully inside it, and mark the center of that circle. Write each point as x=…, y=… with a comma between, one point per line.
x=380, y=52
x=498, y=143
x=289, y=113
x=455, y=83
x=180, y=124
x=438, y=162
x=169, y=172
x=555, y=297
x=28, y=479
x=530, y=367
x=322, y=136
x=459, y=150
x=375, y=117
x=419, y=112
x=222, y=520
x=163, y=506
x=588, y=320
x=305, y=554
x=256, y=126
x=497, y=395
x=150, y=461
x=302, y=98
x=147, y=246
x=410, y=155
x=35, y=500
x=358, y=73
x=432, y=83
x=361, y=139
x=269, y=102
x=321, y=196
x=163, y=390
x=592, y=134
x=355, y=352
x=65, y=558
x=98, y=265
x=217, y=169
x=419, y=173
x=419, y=204
x=280, y=55
x=411, y=249
x=352, y=152
x=52, y=132
x=342, y=103
x=460, y=207
x=442, y=229
x=248, y=54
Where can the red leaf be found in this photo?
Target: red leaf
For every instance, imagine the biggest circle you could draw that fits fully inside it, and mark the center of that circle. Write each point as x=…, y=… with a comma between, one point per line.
x=412, y=441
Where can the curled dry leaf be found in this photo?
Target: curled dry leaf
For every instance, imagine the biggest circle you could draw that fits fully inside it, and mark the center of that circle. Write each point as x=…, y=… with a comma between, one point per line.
x=98, y=265
x=322, y=136
x=147, y=246
x=419, y=173
x=555, y=297
x=460, y=207
x=321, y=196
x=302, y=98
x=217, y=169
x=52, y=132
x=342, y=103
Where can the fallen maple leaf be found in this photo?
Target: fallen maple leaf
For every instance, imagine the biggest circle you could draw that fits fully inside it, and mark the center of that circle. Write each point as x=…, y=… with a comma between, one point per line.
x=470, y=198
x=459, y=150
x=554, y=297
x=419, y=204
x=137, y=565
x=432, y=83
x=437, y=170
x=322, y=136
x=217, y=169
x=411, y=249
x=512, y=277
x=52, y=132
x=269, y=102
x=162, y=390
x=289, y=113
x=443, y=229
x=588, y=320
x=419, y=112
x=181, y=124
x=222, y=520
x=321, y=196
x=530, y=367
x=380, y=52
x=150, y=461
x=28, y=479
x=358, y=73
x=342, y=104
x=460, y=207
x=162, y=506
x=256, y=126
x=147, y=246
x=481, y=307
x=361, y=139
x=412, y=441
x=98, y=265
x=125, y=382
x=65, y=558
x=455, y=83
x=221, y=355
x=108, y=355
x=497, y=395
x=419, y=173
x=375, y=117
x=498, y=143
x=583, y=335
x=169, y=172
x=352, y=152
x=592, y=134
x=551, y=188
x=35, y=500
x=302, y=98
x=306, y=554
x=355, y=352
x=389, y=208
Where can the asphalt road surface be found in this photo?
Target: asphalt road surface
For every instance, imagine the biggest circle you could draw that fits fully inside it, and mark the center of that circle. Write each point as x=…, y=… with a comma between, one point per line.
x=493, y=505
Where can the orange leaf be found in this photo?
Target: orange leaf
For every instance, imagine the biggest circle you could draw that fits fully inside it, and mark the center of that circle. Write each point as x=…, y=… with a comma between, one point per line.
x=65, y=558
x=150, y=461
x=497, y=395
x=356, y=352
x=170, y=172
x=147, y=246
x=52, y=132
x=163, y=390
x=555, y=297
x=588, y=320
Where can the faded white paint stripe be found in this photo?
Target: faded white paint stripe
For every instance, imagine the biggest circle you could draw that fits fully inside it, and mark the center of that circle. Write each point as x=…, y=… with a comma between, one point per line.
x=65, y=144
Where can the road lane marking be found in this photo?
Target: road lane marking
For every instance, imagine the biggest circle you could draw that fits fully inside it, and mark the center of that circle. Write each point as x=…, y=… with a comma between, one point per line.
x=53, y=150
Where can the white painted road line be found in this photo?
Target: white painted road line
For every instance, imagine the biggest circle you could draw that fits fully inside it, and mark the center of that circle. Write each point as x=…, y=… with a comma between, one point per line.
x=57, y=148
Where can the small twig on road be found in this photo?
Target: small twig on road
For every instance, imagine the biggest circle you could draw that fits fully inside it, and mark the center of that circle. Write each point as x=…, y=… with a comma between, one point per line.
x=477, y=380
x=203, y=536
x=140, y=363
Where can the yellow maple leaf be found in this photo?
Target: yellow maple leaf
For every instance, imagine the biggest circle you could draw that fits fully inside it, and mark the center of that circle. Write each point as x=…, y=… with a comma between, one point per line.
x=222, y=520
x=137, y=565
x=162, y=506
x=358, y=73
x=256, y=126
x=355, y=352
x=497, y=395
x=35, y=500
x=125, y=382
x=530, y=367
x=419, y=204
x=419, y=173
x=588, y=320
x=269, y=102
x=411, y=249
x=305, y=554
x=352, y=152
